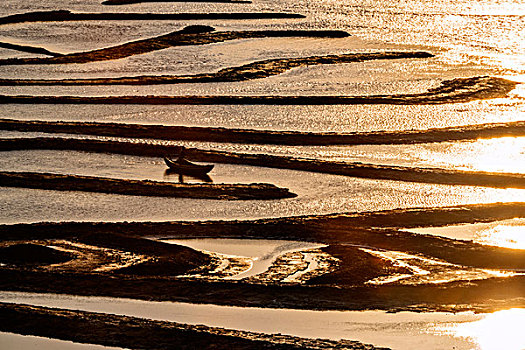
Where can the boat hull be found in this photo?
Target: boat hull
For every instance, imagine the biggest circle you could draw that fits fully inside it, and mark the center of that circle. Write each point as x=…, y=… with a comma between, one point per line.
x=188, y=168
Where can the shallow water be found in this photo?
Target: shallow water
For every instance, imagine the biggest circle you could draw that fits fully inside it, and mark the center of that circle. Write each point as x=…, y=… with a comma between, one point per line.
x=302, y=118
x=403, y=330
x=475, y=155
x=425, y=270
x=343, y=79
x=317, y=193
x=504, y=233
x=261, y=253
x=483, y=33
x=469, y=38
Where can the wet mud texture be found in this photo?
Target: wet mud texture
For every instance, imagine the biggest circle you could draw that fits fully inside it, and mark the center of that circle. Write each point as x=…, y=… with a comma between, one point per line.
x=128, y=2
x=132, y=332
x=66, y=15
x=355, y=229
x=479, y=295
x=255, y=70
x=341, y=288
x=251, y=136
x=108, y=253
x=61, y=182
x=360, y=170
x=28, y=254
x=459, y=90
x=191, y=35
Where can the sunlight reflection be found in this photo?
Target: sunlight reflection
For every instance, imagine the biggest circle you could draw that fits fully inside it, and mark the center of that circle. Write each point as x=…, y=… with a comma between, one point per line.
x=489, y=153
x=505, y=233
x=502, y=154
x=500, y=330
x=502, y=236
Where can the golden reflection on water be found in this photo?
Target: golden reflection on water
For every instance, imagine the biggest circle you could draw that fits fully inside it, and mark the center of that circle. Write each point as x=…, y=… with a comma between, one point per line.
x=505, y=154
x=502, y=236
x=505, y=233
x=496, y=331
x=492, y=155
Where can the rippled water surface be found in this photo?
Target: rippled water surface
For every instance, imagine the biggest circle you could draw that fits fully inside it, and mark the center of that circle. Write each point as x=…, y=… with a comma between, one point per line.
x=505, y=233
x=317, y=193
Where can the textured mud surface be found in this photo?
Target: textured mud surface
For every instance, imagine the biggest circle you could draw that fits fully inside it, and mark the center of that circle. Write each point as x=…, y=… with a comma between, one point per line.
x=191, y=35
x=358, y=229
x=31, y=254
x=141, y=187
x=383, y=172
x=459, y=90
x=210, y=134
x=255, y=70
x=131, y=332
x=65, y=15
x=129, y=265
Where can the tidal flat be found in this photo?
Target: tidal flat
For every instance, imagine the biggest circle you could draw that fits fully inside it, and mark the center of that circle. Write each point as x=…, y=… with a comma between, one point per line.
x=366, y=188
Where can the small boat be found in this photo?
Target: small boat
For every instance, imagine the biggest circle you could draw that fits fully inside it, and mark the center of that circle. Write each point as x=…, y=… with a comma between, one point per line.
x=182, y=166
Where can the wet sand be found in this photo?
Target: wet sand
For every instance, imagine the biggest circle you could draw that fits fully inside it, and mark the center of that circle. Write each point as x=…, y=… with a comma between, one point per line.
x=368, y=263
x=30, y=49
x=358, y=229
x=344, y=287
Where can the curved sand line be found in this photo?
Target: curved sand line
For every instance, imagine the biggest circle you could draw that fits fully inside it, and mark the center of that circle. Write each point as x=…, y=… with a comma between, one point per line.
x=252, y=136
x=66, y=15
x=359, y=229
x=460, y=90
x=360, y=170
x=333, y=292
x=30, y=49
x=129, y=332
x=61, y=182
x=254, y=70
x=487, y=295
x=191, y=35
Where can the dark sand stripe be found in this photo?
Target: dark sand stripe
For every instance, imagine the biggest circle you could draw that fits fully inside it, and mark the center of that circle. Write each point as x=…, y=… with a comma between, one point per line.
x=460, y=90
x=30, y=49
x=140, y=333
x=255, y=70
x=344, y=228
x=59, y=182
x=66, y=15
x=191, y=35
x=251, y=136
